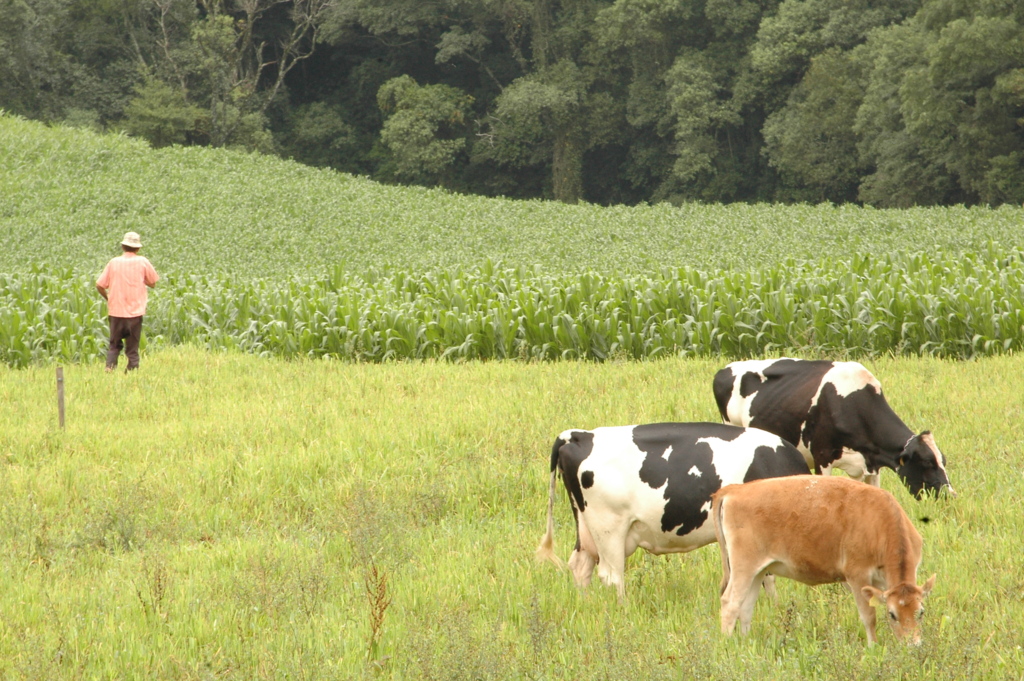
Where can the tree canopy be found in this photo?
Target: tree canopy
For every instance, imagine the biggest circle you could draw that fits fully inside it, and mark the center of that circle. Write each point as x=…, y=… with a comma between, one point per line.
x=881, y=102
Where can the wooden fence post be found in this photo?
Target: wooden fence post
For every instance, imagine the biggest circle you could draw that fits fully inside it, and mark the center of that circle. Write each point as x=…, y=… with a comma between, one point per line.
x=60, y=395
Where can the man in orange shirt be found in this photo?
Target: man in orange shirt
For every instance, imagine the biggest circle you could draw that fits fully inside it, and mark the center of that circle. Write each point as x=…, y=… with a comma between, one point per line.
x=123, y=285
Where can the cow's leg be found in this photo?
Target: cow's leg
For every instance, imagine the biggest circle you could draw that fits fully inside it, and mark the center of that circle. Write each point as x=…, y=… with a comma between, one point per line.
x=582, y=567
x=768, y=582
x=854, y=464
x=769, y=586
x=584, y=556
x=808, y=457
x=749, y=601
x=612, y=566
x=864, y=607
x=609, y=533
x=739, y=596
x=873, y=478
x=730, y=609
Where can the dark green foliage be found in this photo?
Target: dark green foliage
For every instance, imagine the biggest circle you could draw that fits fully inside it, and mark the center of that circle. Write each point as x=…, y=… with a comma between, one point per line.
x=160, y=114
x=319, y=135
x=36, y=73
x=811, y=140
x=901, y=175
x=965, y=103
x=891, y=103
x=425, y=129
x=542, y=117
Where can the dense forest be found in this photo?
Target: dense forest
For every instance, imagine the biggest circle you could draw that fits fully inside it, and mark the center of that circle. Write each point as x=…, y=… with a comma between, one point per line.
x=884, y=102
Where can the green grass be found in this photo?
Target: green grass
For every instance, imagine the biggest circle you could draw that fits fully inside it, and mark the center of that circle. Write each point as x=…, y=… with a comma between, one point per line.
x=217, y=515
x=67, y=196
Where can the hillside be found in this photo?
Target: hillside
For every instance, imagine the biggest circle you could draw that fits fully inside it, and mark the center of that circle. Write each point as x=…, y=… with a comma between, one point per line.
x=273, y=258
x=67, y=196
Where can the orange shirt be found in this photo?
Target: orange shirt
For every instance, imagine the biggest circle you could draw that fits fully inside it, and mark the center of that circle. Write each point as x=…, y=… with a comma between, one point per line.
x=125, y=278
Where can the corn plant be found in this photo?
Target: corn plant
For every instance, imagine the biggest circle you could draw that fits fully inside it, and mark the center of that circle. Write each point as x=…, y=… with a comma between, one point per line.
x=958, y=307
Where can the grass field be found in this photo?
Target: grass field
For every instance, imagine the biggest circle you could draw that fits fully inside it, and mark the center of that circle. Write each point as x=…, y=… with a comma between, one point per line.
x=222, y=516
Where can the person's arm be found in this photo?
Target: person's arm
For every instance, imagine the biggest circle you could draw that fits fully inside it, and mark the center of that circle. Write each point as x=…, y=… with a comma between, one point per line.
x=103, y=283
x=151, y=277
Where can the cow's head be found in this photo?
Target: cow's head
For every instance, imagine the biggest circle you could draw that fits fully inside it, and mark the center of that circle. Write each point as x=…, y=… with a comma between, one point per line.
x=923, y=467
x=904, y=605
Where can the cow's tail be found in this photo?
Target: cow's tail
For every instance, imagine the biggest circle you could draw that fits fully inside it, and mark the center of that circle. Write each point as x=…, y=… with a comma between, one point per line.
x=546, y=549
x=718, y=512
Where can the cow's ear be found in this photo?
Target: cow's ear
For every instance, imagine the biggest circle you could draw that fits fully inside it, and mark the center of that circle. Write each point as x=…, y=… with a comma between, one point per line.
x=875, y=596
x=927, y=588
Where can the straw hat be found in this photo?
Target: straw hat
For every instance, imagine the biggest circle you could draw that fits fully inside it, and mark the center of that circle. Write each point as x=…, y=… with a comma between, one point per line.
x=131, y=240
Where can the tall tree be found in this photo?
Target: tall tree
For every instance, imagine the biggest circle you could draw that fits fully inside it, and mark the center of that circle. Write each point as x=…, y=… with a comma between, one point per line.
x=32, y=70
x=637, y=42
x=230, y=58
x=966, y=103
x=811, y=140
x=943, y=115
x=684, y=60
x=540, y=117
x=61, y=60
x=801, y=29
x=897, y=174
x=889, y=102
x=545, y=114
x=425, y=128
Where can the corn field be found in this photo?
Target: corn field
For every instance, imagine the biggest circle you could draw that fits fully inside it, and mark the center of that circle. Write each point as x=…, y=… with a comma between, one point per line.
x=269, y=257
x=67, y=197
x=956, y=307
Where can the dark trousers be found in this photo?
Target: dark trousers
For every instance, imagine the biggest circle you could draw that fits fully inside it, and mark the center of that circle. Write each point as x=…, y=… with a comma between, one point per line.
x=125, y=332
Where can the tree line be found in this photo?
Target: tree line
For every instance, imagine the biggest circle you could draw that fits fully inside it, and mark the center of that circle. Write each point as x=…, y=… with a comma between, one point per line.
x=889, y=103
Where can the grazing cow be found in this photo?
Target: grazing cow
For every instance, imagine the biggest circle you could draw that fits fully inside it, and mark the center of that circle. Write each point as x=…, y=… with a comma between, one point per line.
x=819, y=530
x=836, y=415
x=650, y=486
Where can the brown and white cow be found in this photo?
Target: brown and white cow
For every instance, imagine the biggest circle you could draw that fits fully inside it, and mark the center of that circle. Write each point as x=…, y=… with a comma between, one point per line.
x=819, y=530
x=650, y=487
x=835, y=414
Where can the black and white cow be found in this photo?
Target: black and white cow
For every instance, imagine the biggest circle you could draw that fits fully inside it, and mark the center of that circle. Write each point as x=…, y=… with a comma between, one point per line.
x=836, y=415
x=650, y=486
